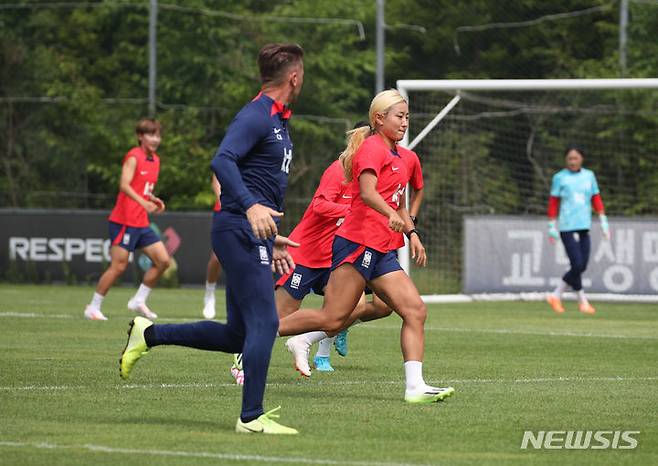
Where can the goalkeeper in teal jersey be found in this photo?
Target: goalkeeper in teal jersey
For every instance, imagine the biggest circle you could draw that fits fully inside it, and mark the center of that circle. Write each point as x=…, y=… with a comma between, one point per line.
x=574, y=193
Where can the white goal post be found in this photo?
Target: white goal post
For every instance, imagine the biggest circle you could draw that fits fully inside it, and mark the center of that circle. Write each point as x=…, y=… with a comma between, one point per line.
x=458, y=87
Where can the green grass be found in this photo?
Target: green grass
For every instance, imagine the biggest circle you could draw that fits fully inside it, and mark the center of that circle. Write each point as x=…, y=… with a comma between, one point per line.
x=515, y=366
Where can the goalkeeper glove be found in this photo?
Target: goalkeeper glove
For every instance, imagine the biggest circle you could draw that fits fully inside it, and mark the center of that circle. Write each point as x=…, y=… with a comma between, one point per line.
x=553, y=234
x=605, y=228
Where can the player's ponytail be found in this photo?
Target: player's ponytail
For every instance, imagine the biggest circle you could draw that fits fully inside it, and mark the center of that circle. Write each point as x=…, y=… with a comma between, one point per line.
x=355, y=138
x=380, y=104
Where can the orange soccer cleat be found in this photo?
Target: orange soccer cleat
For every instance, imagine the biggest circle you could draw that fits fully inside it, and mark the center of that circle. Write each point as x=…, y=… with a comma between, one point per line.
x=586, y=308
x=555, y=302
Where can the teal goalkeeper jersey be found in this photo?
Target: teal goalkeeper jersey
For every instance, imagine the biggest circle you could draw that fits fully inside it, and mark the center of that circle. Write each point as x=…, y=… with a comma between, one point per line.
x=575, y=190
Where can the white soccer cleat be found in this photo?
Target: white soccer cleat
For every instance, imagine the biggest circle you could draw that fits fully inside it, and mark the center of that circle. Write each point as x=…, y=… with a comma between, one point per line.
x=91, y=313
x=300, y=349
x=237, y=370
x=141, y=308
x=209, y=311
x=238, y=375
x=428, y=394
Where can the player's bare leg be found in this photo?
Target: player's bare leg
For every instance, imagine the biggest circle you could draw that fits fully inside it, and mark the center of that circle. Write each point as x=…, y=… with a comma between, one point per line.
x=160, y=259
x=118, y=263
x=399, y=292
x=212, y=275
x=341, y=296
x=285, y=304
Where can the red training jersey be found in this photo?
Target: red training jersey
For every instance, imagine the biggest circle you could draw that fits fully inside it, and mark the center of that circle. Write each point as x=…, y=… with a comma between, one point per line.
x=126, y=210
x=363, y=224
x=415, y=180
x=317, y=228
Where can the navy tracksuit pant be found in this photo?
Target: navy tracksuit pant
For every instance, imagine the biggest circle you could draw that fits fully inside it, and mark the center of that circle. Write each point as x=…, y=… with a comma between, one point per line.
x=577, y=245
x=252, y=320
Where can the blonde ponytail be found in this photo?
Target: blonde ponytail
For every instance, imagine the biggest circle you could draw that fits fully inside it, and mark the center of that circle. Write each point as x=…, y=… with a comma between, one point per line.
x=355, y=138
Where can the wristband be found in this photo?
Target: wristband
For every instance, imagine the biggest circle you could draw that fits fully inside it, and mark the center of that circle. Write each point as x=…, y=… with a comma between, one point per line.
x=409, y=233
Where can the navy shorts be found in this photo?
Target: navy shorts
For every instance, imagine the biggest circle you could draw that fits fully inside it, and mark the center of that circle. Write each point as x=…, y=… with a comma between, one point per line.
x=302, y=280
x=131, y=238
x=369, y=262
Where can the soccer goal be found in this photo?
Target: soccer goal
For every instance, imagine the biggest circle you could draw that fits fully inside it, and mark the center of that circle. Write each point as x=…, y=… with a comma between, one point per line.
x=489, y=148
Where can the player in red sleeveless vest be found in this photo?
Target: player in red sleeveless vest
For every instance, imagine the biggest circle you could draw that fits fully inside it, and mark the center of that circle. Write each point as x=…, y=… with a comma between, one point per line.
x=363, y=250
x=129, y=222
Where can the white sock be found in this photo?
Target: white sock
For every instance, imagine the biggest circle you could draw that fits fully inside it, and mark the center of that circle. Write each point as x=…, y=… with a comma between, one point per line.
x=97, y=301
x=324, y=347
x=582, y=299
x=413, y=371
x=313, y=337
x=560, y=289
x=210, y=292
x=142, y=293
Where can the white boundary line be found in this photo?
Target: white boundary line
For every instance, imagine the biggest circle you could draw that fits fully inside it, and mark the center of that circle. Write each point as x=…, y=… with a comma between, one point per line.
x=502, y=331
x=536, y=296
x=510, y=331
x=194, y=454
x=34, y=315
x=323, y=383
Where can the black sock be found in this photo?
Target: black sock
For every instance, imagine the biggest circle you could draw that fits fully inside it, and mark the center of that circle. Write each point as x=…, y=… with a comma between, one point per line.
x=149, y=336
x=248, y=419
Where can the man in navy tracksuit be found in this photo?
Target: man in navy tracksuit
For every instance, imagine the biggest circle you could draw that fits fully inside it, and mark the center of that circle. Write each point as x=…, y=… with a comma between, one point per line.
x=252, y=165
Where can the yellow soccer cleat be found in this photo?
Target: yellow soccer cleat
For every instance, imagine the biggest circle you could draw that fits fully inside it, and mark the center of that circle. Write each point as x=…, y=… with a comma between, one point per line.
x=264, y=425
x=135, y=346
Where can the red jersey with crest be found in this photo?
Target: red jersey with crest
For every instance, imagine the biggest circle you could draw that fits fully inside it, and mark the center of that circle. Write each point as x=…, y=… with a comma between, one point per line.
x=126, y=210
x=363, y=224
x=415, y=179
x=316, y=231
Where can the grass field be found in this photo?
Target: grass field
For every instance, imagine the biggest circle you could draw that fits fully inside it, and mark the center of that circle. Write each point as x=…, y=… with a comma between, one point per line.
x=515, y=366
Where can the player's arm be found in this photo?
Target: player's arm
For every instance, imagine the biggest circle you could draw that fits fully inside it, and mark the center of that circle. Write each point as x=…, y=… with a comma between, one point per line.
x=374, y=200
x=553, y=209
x=241, y=136
x=599, y=208
x=330, y=209
x=415, y=244
x=324, y=201
x=127, y=174
x=414, y=203
x=282, y=261
x=216, y=187
x=418, y=185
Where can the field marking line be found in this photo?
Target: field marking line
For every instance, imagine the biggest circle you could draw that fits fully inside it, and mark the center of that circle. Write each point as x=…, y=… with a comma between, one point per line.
x=198, y=454
x=327, y=383
x=510, y=331
x=34, y=315
x=501, y=331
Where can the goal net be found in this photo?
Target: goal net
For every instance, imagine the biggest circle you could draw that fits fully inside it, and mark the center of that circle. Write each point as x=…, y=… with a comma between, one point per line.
x=491, y=149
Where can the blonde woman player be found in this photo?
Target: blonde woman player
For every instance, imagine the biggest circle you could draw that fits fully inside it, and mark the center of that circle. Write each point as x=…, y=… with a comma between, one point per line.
x=363, y=251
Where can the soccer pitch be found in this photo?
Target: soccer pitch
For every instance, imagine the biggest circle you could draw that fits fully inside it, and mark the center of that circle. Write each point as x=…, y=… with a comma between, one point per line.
x=516, y=367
